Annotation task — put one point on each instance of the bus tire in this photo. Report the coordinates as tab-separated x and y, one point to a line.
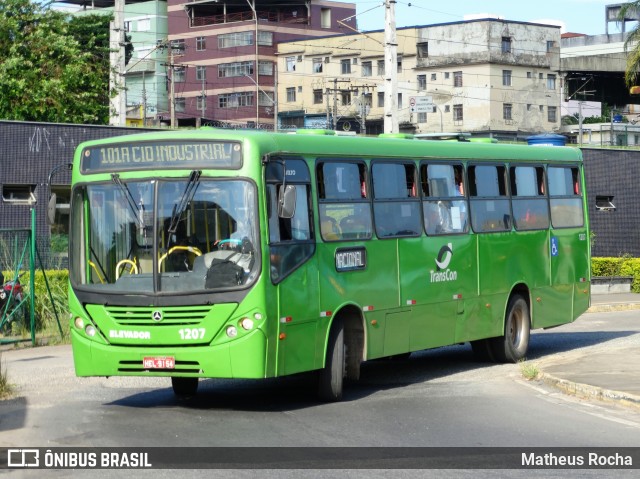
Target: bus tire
331	377
513	345
184	387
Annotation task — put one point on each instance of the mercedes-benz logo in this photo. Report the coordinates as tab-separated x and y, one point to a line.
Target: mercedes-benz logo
156	315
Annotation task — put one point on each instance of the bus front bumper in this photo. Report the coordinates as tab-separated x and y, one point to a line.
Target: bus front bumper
241	358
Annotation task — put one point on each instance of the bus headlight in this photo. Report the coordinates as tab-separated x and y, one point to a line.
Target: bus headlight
232	331
90	330
246	323
258	316
79	323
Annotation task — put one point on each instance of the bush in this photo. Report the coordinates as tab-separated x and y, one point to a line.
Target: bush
622	266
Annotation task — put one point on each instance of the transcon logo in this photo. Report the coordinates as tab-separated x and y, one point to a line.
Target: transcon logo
443	273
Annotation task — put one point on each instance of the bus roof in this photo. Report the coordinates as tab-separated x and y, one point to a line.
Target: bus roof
326	143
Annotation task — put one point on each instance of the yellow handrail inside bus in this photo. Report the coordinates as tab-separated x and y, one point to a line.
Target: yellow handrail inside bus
134	267
93	265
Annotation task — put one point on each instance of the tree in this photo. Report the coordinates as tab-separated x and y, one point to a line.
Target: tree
632	42
53	67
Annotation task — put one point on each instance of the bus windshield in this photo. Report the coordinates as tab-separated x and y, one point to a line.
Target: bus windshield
168	236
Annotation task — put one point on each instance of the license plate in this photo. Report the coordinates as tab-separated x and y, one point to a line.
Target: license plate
154	362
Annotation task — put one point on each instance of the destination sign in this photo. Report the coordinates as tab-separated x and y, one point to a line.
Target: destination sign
350	259
162	154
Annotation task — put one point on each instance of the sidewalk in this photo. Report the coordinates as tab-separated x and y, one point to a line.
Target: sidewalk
612	375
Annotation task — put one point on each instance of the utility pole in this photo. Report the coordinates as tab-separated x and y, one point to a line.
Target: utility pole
390	68
172	91
118	103
144	100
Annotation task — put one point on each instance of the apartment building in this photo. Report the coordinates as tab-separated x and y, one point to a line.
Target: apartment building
490	77
145	23
222	55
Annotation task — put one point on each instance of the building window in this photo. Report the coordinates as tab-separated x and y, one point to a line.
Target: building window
144	25
506	44
552	114
506	77
291	94
506	111
201	103
528	106
177	47
317	97
265	39
239	39
457	112
201	73
457	79
447	108
265	68
434	76
265	99
551	82
550	45
381	67
380	99
423	50
345	97
290	64
236	69
235	100
367	100
541	108
19	194
367	69
399	60
399	100
422	82
317	65
446	75
541	76
179	74
325	18
422	117
180	104
529	75
345	66
201	44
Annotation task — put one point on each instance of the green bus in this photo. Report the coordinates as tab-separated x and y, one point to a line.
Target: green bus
217	253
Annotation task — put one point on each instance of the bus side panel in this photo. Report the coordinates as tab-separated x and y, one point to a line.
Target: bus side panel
569	273
376	286
438	291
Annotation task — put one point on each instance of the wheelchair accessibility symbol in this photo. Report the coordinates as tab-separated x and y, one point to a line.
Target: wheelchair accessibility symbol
554	246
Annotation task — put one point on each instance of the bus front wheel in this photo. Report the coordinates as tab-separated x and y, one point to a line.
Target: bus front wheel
184	387
331	377
512	347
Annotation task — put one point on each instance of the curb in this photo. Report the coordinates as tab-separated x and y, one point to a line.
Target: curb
605	308
587	391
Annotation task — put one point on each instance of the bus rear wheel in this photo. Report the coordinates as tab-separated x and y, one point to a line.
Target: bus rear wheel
512	347
331	377
184	387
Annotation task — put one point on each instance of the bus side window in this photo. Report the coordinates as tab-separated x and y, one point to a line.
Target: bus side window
490	209
564	196
343	199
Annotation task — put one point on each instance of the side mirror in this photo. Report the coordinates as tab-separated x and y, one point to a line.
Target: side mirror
51	209
287	201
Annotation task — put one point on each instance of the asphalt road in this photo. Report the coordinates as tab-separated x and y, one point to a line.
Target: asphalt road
435	398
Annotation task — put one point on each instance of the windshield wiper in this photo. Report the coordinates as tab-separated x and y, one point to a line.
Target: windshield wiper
137	214
187	195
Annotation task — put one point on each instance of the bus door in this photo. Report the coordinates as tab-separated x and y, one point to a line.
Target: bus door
568	243
293	268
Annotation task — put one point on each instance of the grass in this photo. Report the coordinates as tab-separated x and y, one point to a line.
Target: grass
6	389
529	370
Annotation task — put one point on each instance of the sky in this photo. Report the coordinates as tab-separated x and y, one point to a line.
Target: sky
576	16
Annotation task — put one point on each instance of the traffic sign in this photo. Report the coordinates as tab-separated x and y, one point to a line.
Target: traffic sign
420	104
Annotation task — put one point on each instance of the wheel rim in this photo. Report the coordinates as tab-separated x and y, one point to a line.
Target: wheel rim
516	327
